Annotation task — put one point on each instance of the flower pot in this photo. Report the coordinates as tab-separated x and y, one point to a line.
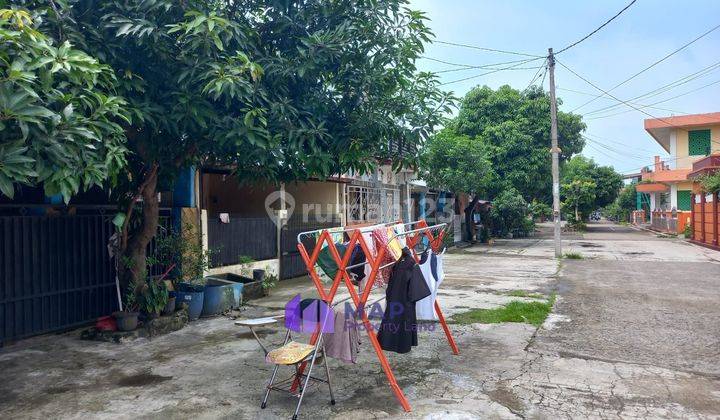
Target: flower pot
192	295
170	305
126	321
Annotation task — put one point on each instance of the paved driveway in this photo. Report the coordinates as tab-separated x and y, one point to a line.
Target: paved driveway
634	334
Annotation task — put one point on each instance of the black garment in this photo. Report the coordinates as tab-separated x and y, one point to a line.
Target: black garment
358	257
398	330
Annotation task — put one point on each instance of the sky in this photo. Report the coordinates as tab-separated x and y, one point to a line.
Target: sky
643	34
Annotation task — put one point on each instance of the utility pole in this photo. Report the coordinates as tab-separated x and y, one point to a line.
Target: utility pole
555	158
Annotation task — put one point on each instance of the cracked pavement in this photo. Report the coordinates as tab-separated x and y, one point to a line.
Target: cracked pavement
633	334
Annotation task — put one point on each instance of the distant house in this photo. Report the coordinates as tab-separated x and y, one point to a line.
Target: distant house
668	187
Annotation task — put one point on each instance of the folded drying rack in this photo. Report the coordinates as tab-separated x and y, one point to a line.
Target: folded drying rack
414	234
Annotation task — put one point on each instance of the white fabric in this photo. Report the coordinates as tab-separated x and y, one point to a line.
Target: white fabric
440	270
399	229
367	237
425	308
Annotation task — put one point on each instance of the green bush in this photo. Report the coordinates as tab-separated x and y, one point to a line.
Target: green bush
154	297
509	213
710	183
539	210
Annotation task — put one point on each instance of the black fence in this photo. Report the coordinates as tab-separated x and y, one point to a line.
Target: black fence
55	273
252	237
291	263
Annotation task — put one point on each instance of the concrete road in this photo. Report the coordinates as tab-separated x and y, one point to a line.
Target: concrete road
634	333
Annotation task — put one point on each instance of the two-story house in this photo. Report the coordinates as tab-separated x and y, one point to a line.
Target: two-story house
668	186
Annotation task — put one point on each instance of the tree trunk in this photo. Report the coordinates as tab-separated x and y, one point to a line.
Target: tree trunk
469	222
135	251
577	214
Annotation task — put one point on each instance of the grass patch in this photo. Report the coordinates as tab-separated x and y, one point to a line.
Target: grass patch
523	293
573	256
516	311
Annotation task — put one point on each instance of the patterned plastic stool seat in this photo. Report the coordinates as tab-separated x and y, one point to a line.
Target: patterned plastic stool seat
290	354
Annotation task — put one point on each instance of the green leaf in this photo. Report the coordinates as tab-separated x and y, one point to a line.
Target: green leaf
119	220
6	186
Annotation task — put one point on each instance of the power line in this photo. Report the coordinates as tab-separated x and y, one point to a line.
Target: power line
614	97
623	143
620	100
662	89
658	102
490	72
650	66
474	47
618	105
489	67
536	76
598	28
612	149
470	66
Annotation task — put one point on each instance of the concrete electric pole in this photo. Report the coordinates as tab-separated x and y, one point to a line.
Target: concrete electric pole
555	158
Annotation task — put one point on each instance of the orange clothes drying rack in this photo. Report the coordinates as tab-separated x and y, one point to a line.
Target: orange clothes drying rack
413	237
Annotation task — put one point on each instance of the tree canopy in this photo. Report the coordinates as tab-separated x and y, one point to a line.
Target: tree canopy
623	206
512	130
275	89
458	163
586	186
60	115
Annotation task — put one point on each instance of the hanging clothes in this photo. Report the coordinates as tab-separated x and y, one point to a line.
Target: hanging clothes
400	230
380	240
358	257
343	342
393	244
326	266
425	308
398	329
436	263
370	242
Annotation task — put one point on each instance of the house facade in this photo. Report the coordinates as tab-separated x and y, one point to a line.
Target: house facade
667	188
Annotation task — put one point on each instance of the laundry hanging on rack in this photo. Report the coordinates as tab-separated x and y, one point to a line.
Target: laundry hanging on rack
393	243
381	240
424	308
399	230
343	342
357	260
431	265
398	329
326	263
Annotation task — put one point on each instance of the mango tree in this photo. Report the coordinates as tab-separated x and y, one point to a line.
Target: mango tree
276	89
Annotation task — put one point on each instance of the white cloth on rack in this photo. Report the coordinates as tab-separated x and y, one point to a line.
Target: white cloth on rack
400	230
425	308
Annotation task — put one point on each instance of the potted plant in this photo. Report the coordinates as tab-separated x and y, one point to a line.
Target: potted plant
185	250
127	319
153	298
268	282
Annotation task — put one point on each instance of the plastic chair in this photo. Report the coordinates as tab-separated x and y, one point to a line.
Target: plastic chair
310	315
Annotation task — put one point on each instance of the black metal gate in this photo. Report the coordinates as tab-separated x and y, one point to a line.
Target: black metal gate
55	273
252	237
291	263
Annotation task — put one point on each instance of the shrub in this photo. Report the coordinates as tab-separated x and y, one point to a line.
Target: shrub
509	212
710	183
539	210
